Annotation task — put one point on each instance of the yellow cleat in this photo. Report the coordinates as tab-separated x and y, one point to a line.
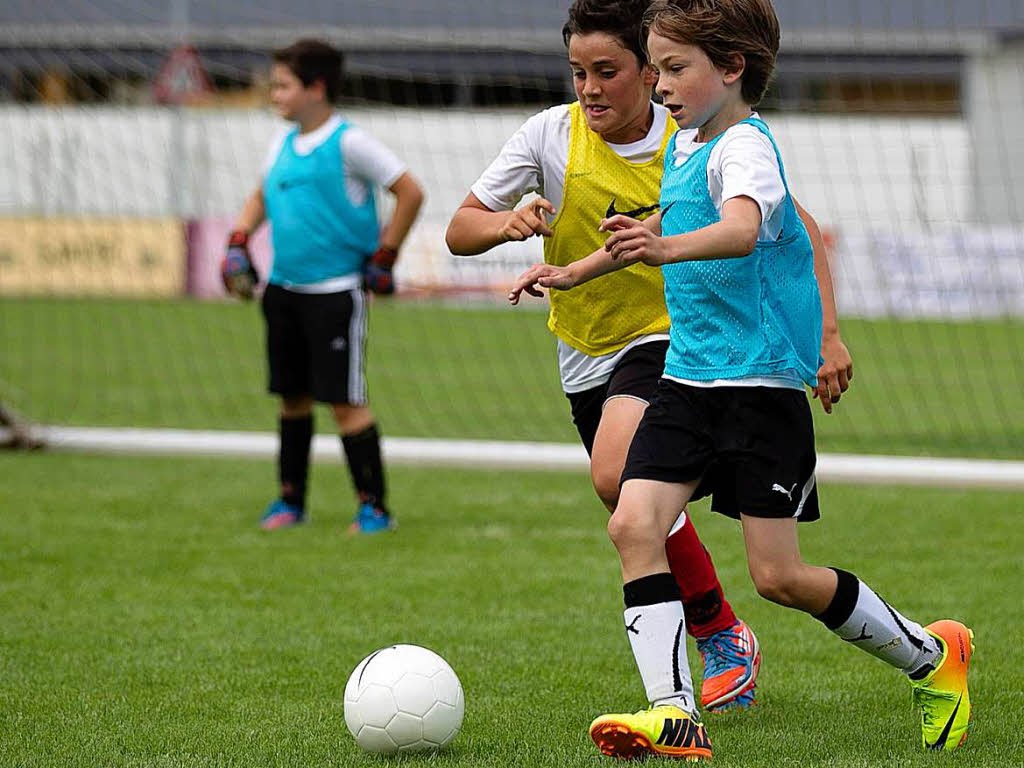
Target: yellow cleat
942	696
662	731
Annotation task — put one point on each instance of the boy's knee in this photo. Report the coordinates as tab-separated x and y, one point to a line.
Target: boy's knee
775	583
606	484
351	418
628	527
296	407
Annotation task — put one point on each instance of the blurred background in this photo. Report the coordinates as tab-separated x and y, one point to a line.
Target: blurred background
133	131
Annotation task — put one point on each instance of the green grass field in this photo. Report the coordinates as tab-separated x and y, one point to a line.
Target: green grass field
145	621
439	370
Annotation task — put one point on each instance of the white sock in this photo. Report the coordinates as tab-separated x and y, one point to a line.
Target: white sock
878	628
657	635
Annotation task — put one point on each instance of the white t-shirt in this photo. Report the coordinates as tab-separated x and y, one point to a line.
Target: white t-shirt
367	162
744	163
534	160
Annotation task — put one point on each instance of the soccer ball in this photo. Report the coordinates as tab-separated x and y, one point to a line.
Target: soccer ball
403	698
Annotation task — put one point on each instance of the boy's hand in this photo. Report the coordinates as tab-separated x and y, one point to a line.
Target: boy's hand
544	275
631	242
835	373
377	274
527	221
237	270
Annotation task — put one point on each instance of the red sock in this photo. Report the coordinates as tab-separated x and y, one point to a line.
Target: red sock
706	609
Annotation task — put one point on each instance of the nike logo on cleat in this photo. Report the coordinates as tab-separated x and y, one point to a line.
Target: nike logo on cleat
683	732
940	742
631	214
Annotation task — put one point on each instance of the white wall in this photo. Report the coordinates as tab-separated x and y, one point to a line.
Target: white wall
895	191
995	100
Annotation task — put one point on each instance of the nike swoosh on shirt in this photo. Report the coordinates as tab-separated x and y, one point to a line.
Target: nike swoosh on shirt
941	741
631	214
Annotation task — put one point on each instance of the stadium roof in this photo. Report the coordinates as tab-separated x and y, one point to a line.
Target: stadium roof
527	25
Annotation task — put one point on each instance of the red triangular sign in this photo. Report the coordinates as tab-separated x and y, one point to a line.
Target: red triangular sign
181	77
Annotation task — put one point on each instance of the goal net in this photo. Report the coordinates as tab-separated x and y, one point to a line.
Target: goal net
133	132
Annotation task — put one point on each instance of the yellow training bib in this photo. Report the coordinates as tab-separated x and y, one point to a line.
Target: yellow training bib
605	314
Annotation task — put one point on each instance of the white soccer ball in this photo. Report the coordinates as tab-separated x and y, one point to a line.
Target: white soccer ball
403	698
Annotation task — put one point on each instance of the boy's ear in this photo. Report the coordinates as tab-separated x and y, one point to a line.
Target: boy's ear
320	87
650	75
733	71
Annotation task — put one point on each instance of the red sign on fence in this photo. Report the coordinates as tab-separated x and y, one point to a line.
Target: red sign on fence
182	77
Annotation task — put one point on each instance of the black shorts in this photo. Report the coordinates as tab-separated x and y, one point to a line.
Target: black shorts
752	448
316	344
635	375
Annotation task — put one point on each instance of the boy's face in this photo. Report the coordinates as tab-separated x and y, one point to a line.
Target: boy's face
690	86
289	96
613	88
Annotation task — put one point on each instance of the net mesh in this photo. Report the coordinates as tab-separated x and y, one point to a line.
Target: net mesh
898	122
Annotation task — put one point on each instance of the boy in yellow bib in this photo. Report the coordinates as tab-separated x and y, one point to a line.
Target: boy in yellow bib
601	156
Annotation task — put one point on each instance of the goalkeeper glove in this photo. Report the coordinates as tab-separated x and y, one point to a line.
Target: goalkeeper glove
237	271
377	275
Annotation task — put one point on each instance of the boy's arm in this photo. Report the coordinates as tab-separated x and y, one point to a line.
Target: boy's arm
408	200
253	213
734	236
475	228
487	217
377	272
837	370
598	263
236	270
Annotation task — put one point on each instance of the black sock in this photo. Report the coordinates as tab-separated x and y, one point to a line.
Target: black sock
293	460
843	601
362	449
650	590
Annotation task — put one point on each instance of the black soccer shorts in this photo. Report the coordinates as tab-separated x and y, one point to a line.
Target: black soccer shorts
316	344
751	447
635	375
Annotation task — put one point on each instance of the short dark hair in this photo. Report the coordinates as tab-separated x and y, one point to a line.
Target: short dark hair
723	28
621	19
311	60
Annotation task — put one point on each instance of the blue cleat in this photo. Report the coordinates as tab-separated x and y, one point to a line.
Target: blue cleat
732	659
281	514
744	701
371	519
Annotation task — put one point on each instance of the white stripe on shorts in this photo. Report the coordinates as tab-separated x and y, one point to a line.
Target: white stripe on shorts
808	487
356	349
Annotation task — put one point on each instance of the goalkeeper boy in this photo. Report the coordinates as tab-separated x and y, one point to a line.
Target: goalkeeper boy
318	193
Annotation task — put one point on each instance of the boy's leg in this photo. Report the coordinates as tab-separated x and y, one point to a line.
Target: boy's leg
654	624
360	441
934	658
336	325
288	366
728	648
295	429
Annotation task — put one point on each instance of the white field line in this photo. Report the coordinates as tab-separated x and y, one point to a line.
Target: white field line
846	468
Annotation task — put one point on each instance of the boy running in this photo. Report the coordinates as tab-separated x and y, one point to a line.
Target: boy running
589	160
729	416
318	194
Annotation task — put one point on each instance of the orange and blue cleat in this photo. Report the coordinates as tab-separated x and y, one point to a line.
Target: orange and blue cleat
661	731
281	514
732	659
942	695
371	519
